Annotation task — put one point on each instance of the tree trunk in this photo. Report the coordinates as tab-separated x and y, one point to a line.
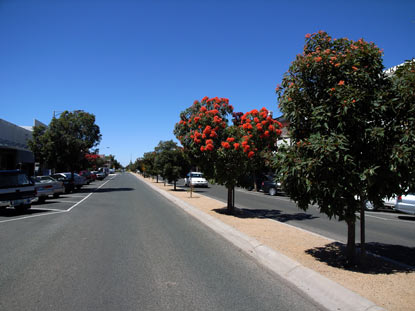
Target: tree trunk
174	185
362	233
231	205
351	245
157	178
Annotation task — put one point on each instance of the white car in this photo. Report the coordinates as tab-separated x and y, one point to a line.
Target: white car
406	204
195	179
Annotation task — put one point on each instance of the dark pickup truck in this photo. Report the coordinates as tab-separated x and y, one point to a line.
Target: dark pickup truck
16	190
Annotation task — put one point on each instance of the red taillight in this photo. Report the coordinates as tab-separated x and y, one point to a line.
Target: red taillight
400	198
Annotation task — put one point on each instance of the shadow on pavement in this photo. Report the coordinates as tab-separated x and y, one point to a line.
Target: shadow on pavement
103	190
333	254
264	213
410	218
11	212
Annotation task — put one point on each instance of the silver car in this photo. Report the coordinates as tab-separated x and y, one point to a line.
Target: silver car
57	186
406	204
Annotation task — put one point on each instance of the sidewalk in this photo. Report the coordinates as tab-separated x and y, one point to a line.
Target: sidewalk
305	259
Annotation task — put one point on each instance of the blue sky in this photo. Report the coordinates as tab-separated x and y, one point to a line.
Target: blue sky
137	64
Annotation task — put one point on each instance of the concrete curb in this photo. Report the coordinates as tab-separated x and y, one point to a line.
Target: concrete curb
322	290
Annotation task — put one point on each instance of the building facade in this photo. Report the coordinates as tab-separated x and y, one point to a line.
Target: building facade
14	151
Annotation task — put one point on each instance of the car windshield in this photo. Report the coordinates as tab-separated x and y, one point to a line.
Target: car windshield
200	175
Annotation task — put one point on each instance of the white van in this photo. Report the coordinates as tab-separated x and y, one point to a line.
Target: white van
195	179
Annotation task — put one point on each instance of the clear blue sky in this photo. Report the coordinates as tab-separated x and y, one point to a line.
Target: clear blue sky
137	64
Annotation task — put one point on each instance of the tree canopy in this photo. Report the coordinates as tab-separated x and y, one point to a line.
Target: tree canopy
64	143
332	97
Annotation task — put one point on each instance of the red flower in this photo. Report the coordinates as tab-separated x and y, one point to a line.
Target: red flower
308	36
271	128
254	112
256	120
202	148
209	147
337	65
230	139
278	132
318	59
354	68
213	134
251	154
203	109
209	142
259	126
225	145
236	146
341	82
196	119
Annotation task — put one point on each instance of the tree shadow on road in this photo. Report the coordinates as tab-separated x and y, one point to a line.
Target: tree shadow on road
10	212
103	190
398	258
265	213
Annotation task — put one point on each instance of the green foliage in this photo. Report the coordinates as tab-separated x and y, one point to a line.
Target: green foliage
401	129
171	161
330	95
65	142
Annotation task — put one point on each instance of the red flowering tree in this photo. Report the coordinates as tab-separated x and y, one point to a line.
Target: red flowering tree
331	97
225	152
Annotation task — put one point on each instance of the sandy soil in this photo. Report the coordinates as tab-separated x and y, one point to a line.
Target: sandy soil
389	286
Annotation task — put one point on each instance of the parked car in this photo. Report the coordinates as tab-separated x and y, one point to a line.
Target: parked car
406	204
16	190
57	186
387	203
195	179
43	189
79	181
100	175
68	183
87	175
269	185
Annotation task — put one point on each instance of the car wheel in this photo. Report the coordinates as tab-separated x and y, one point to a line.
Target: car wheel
370	206
78	187
41	199
23	207
272	191
56	195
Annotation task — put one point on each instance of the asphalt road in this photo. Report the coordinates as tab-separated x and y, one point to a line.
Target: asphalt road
124	247
387	233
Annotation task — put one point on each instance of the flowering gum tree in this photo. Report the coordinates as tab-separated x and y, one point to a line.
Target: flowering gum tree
331	97
225	152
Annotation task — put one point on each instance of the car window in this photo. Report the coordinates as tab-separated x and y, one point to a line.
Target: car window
197	175
14	180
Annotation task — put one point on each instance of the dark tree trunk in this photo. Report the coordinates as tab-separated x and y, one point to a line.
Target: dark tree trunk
362	233
174	185
157	178
351	244
231	203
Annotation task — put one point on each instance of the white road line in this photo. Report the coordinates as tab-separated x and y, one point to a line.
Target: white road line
55	211
73	206
31	216
73	202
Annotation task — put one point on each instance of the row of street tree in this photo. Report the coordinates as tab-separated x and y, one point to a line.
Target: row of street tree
352	132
